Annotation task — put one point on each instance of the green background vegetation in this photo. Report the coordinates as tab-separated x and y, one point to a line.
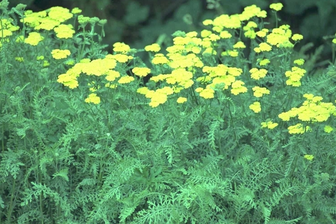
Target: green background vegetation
208	161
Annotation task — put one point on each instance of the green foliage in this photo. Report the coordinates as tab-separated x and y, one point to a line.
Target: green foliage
207	161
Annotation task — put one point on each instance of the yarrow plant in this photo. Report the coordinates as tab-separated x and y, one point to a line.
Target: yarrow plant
225	125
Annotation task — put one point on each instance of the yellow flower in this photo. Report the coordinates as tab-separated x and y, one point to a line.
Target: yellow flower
276	6
258	73
143	90
297	37
64	31
181	100
60	54
121	47
125	79
262	33
112	75
157	98
93	98
260	91
255	107
299	61
207	22
33	38
225	34
207	93
264	62
19	59
59	13
269	125
5	33
265	47
328	129
285	116
237	87
121	58
76	10
153	47
159	59
141	71
309	157
239	45
297	129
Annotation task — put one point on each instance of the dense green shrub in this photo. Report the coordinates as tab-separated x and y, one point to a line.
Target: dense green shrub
223	126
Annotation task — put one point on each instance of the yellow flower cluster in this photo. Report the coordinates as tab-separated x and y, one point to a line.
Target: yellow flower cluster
51	19
64	31
258	73
276	6
153	48
294	76
260	91
93	98
269	125
141	71
312	110
7	28
158	96
96	67
60	54
309	157
33	38
256	107
280	37
298	129
221	75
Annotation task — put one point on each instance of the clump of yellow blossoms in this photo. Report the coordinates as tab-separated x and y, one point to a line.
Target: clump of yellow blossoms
191	64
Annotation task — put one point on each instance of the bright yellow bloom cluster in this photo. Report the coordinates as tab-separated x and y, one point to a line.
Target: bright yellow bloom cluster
93	98
276	6
312	110
263	47
7	28
298	129
309	157
239	45
157	97
249	31
160	59
206	93
252	11
60	54
258	73
297	37
97	67
59	13
264	62
222	75
47	19
280	37
238	87
181	100
260	91
33	38
269	125
256	107
64	31
153	48
299	61
328	129
294	76
121	47
141	71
